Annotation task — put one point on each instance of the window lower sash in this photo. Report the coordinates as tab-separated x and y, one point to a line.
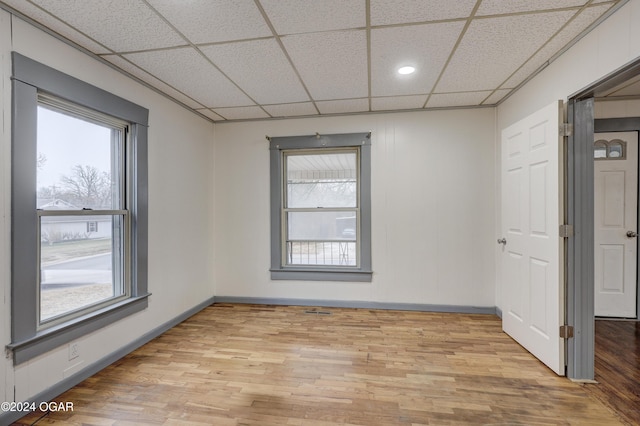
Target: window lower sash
80	271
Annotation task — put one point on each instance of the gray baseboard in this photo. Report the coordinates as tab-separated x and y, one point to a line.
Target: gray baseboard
461	309
66	384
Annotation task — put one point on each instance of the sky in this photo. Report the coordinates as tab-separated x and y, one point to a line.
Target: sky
67	141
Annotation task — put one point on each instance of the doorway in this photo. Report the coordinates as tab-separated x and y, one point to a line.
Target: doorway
615	224
580	202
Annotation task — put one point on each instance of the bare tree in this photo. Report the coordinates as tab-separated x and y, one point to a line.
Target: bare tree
87	187
41	161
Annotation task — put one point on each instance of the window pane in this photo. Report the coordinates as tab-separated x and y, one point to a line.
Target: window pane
321	225
77	165
600	149
321	238
328	253
322	180
615	149
79	268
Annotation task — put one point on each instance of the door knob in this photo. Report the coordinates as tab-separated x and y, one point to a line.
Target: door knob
504	241
631	234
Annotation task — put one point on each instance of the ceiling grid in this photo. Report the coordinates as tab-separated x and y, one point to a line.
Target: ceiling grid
233	60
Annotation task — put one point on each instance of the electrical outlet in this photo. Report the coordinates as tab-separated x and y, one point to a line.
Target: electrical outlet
74	351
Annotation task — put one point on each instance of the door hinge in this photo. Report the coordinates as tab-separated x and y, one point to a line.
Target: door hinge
566	331
566	129
566	231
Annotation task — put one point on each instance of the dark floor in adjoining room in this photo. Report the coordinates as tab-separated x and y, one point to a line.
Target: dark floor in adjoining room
617	368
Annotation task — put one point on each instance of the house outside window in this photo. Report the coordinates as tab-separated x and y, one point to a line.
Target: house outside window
320	207
79	208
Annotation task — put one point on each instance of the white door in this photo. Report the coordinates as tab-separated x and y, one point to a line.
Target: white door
615	218
532	266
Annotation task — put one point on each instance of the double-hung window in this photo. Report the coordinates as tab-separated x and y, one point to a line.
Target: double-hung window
80	181
320	198
79	208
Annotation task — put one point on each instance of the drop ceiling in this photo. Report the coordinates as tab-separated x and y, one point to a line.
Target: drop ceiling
259	59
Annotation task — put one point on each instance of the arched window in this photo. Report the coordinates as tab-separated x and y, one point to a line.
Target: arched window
600	149
615	149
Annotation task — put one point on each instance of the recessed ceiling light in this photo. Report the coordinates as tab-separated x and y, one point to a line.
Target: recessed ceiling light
406	70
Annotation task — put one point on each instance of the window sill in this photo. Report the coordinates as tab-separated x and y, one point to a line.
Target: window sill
307	274
54	337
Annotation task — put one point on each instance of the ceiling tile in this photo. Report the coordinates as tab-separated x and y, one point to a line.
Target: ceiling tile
128	26
207	21
260	68
291	110
496	97
566	35
57	26
212	115
425	47
343	106
241	113
388	12
439	100
398	102
306	16
332	65
186	70
221	58
493	48
130	68
499	7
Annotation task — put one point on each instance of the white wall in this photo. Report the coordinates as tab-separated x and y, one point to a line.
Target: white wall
432	208
180	210
612	44
617	109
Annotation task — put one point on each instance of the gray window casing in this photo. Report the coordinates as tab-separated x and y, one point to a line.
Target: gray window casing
362	273
30	78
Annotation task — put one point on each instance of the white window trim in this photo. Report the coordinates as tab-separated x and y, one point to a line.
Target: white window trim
30	80
279	270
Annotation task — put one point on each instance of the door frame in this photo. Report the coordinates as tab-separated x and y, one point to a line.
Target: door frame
579	205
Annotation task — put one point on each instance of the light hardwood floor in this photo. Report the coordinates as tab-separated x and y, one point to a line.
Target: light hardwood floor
276	365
